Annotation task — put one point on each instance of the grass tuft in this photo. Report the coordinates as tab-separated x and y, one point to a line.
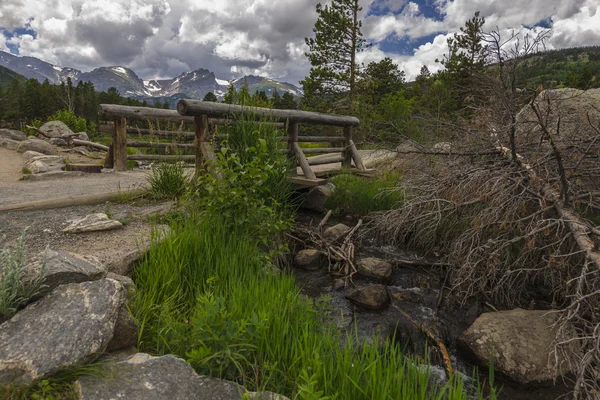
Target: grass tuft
359	196
15	289
167	181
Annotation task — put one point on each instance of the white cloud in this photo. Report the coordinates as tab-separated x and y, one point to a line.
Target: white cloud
163	38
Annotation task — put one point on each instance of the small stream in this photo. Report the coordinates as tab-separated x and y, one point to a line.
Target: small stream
414	292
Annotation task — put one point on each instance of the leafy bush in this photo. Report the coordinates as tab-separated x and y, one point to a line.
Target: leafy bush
75	123
15	290
359	196
167	181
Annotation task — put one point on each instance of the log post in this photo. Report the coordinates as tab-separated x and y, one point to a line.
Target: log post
347	154
292	137
120	144
109	161
200	125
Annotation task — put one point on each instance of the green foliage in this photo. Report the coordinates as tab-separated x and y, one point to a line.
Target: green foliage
332	55
75	123
359	196
204	294
210	96
15	289
167	181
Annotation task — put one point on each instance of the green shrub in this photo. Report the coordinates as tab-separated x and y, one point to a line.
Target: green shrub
357	195
14	289
167	181
75	123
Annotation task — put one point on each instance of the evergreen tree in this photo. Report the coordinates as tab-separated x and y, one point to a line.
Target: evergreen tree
166	105
210	96
231	95
288	102
466	58
332	55
382	78
276	99
12	111
243	95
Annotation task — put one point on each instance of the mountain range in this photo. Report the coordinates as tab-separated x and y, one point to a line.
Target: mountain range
194	84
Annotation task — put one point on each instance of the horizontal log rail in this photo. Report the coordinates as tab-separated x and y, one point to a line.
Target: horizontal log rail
205	116
158	157
156	145
191	108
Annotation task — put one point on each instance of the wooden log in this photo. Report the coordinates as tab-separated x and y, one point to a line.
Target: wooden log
120	144
347	161
317	139
88	168
331	160
109	161
200	125
87	199
152	132
323	150
158	157
292	138
305	182
190	107
356	157
308	173
143	113
155	145
89	144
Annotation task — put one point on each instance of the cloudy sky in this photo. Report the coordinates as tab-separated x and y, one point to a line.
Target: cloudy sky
163	38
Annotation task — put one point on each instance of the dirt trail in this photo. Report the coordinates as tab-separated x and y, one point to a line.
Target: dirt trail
11	164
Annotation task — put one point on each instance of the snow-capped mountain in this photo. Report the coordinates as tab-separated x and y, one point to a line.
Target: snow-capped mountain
195	84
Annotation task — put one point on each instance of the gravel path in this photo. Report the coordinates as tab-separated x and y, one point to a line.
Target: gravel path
25	191
11	164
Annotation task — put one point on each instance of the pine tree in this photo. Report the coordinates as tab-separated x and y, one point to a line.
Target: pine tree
276	99
332	55
382	78
210	96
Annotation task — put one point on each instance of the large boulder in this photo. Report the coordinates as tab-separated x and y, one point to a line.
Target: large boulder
374	297
82	136
93	223
374	268
12	135
316	198
520	342
69	327
126	331
55	129
309	259
28	155
38	145
9	143
59	268
143	377
43	163
334	233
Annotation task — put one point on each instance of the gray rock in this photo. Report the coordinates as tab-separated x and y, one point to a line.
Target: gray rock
38	145
333	233
316	197
373	297
82	136
93	223
59	268
521	342
58	142
55	129
374	268
28	155
126	281
67	328
143	377
126	331
309	259
12	135
9	144
43	163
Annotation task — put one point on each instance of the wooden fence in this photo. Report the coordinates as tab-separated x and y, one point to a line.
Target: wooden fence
204	116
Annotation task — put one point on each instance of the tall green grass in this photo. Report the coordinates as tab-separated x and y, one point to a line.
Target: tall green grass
204	294
358	195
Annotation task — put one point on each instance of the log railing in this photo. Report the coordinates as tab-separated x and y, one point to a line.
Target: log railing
206	114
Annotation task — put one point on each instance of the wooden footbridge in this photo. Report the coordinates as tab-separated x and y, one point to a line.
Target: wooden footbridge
206	116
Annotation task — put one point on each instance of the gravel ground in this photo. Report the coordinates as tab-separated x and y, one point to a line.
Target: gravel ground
44	228
25	191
